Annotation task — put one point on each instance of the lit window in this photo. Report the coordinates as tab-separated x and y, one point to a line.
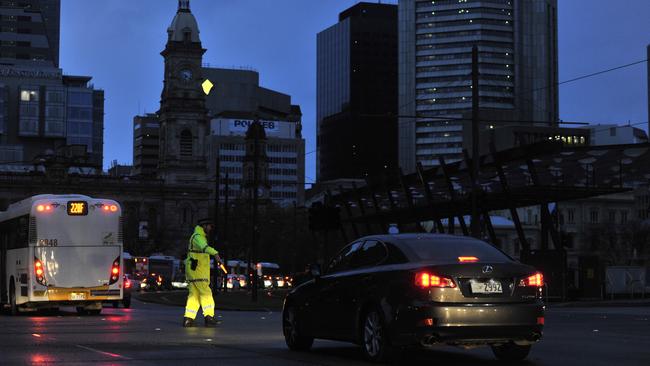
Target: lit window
29	96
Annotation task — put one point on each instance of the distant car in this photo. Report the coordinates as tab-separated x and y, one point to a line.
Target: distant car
390	291
152	282
283	282
235	281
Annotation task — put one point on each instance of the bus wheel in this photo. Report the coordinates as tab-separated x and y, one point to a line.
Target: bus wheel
12	299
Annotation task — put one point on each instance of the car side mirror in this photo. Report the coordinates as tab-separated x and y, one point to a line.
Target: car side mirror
314	270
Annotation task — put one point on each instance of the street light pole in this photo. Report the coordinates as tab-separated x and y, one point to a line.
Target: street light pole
256	155
475	225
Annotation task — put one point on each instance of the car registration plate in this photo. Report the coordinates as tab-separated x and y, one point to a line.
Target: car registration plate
75	296
489	287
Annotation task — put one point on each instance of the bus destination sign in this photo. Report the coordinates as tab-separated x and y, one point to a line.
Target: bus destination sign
77	208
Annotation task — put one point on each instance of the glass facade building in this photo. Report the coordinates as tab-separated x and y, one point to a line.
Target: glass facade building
357	94
517	42
42	111
30	31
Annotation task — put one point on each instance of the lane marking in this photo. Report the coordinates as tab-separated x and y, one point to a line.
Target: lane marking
113	355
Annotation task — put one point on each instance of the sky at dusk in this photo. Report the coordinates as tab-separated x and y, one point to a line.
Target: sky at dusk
118	43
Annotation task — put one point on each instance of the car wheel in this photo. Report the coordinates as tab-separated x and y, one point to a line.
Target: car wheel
295	339
13	307
374	340
126	303
94	311
511	352
116	304
81	310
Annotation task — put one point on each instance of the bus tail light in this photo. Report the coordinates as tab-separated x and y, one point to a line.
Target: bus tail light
44	208
109	208
115	271
428	280
39	272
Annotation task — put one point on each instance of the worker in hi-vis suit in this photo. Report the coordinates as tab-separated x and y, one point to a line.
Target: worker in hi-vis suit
197	273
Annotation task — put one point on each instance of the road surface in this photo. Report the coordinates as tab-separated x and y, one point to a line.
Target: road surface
150	334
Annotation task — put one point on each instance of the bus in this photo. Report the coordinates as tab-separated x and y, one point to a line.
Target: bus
61	250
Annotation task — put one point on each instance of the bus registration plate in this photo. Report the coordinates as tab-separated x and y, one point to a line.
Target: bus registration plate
75	296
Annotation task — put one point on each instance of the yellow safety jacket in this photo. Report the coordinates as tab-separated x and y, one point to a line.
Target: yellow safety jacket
198	250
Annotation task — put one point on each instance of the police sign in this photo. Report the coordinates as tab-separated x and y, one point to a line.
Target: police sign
241	125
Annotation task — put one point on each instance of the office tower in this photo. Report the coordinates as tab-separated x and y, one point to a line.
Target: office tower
517	43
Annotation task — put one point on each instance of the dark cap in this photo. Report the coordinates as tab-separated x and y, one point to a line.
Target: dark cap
206	221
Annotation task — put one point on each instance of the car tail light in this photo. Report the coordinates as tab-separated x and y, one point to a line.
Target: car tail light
467	259
127	283
39	272
428	280
115	271
536	280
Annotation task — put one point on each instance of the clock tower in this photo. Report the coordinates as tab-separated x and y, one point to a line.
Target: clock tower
184	123
256	165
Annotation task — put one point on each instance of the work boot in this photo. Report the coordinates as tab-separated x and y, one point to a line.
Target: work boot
188	322
210	322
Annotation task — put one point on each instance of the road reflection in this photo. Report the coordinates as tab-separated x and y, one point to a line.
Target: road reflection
443	355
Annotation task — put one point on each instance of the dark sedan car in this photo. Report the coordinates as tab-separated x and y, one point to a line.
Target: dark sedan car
392	291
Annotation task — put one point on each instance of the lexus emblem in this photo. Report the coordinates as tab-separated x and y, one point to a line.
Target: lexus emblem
488	269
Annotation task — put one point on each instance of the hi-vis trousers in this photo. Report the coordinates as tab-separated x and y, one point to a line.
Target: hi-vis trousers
200	296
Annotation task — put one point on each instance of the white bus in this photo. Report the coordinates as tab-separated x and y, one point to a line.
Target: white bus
60	250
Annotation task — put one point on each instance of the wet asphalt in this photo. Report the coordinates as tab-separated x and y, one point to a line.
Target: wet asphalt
149	334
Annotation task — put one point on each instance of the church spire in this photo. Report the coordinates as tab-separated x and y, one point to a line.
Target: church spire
183	5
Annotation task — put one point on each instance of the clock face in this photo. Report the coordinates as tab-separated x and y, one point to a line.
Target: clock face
186	75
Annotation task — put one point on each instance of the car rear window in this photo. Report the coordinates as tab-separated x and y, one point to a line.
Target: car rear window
450	249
